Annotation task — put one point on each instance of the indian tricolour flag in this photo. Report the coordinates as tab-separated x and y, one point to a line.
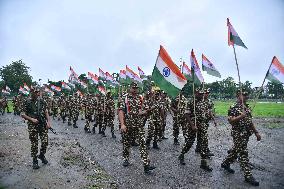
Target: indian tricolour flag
132	75
197	75
209	67
186	71
93	77
26	87
23	91
122	74
233	37
276	71
167	75
102	90
65	86
102	75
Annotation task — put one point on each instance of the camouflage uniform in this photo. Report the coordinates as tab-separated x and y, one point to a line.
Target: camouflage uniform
166	103
69	108
240	132
154	126
208	108
75	110
100	113
54	105
62	108
89	111
201	115
4	102
179	104
36	109
109	115
131	105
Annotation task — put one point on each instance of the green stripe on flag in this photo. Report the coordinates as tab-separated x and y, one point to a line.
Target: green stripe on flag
164	85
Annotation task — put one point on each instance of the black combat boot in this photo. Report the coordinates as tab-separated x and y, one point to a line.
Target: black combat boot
148	168
205	166
103	134
148	143
125	163
181	159
94	129
251	180
176	142
155	145
42	158
35	163
227	168
113	135
197	150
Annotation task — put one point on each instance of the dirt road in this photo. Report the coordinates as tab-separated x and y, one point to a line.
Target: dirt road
79	160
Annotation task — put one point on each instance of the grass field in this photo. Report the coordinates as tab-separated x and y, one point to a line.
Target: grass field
270	109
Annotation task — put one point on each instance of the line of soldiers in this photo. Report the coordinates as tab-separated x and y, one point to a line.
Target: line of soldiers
136	111
99	110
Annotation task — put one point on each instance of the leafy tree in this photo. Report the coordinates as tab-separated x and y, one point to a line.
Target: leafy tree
15	74
275	90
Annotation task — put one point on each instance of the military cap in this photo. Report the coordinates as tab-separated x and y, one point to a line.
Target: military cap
199	90
244	92
134	85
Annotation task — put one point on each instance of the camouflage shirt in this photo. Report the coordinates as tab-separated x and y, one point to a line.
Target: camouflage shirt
35	109
243	124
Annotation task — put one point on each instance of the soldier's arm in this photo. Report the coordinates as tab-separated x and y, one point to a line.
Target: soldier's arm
188	118
121	120
48	124
235	115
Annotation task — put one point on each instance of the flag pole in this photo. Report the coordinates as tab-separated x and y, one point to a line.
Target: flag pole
194	111
260	89
240	84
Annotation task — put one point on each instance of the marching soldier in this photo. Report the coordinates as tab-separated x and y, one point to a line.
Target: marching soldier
166	105
54	105
178	106
210	107
36	113
198	112
89	111
155	120
75	110
242	128
109	115
130	116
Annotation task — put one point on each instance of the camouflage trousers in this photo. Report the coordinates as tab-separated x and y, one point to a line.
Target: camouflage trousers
163	126
190	136
88	119
108	122
54	112
75	115
100	121
63	114
127	138
198	139
179	122
34	132
239	150
154	129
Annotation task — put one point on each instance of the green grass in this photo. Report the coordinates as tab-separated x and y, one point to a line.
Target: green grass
270	109
10	105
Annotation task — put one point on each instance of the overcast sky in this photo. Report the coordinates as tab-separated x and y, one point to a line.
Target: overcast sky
51	35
